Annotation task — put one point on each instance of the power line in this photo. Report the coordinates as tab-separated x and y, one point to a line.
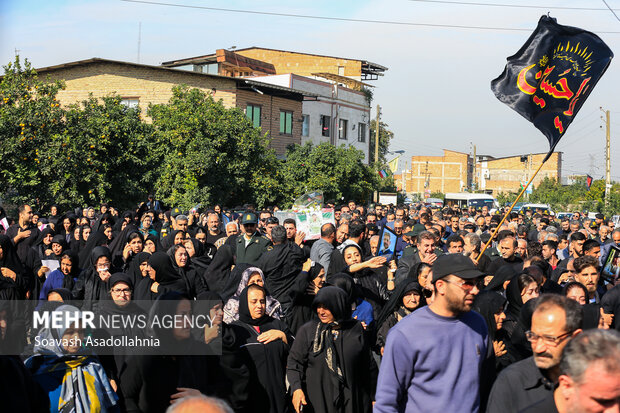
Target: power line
611	10
307	16
520	6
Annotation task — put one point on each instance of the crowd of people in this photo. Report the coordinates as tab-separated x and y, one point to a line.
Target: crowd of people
326	325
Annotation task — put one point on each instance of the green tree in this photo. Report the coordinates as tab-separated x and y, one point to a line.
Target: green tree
29	116
385	137
102	154
337	171
209	153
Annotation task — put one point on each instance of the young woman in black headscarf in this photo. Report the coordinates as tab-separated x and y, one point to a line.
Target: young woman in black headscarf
520	290
407	297
302	295
371	286
122	255
64	276
330	367
151	244
490	305
262	345
181	263
92	286
163	278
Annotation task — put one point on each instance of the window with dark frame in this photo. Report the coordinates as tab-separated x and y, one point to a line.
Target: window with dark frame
361	132
343	124
326	125
253	112
286	122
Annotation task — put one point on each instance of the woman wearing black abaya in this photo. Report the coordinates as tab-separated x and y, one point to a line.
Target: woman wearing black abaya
217	275
330	367
58	246
43	245
11	269
302	295
139	269
181	263
119	304
407	297
262	344
150	383
92	286
371	286
520	290
164	278
490	305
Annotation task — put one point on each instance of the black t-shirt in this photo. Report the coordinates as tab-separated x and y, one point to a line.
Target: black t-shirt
212	238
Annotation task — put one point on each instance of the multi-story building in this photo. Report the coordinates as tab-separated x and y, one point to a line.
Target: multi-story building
340	113
277	110
455	172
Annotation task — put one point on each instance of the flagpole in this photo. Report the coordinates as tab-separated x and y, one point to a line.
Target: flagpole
510	210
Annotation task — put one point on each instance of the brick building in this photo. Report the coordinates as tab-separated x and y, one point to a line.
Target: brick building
260	61
275	109
507	174
454	172
447	173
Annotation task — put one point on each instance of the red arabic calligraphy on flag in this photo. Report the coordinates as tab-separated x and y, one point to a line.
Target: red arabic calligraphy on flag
550	77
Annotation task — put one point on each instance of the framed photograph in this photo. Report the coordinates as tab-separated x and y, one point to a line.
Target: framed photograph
611	265
387	243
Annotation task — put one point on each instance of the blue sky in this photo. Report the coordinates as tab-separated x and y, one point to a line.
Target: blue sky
435	94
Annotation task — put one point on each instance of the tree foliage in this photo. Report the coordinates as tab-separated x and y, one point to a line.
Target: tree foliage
29	116
337	171
195	151
208	153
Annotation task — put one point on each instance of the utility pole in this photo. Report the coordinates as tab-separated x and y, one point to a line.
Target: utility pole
376	195
607	159
473	181
377	137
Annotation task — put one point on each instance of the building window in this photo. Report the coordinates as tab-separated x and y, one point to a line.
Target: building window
253	114
286	122
131	103
342	128
305	126
325	125
361	132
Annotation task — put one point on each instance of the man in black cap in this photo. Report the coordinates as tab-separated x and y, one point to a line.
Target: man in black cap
251	244
438	371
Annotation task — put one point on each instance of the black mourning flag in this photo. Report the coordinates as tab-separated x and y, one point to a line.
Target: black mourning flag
550	77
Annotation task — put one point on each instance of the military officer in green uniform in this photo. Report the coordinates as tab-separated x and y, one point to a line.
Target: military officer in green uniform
251	244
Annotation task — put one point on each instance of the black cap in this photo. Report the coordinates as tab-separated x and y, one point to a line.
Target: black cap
599	216
455	264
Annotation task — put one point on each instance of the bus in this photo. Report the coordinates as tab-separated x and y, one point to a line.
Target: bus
464	200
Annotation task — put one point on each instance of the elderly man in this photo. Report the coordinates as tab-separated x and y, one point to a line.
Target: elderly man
213	228
589	376
555	320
